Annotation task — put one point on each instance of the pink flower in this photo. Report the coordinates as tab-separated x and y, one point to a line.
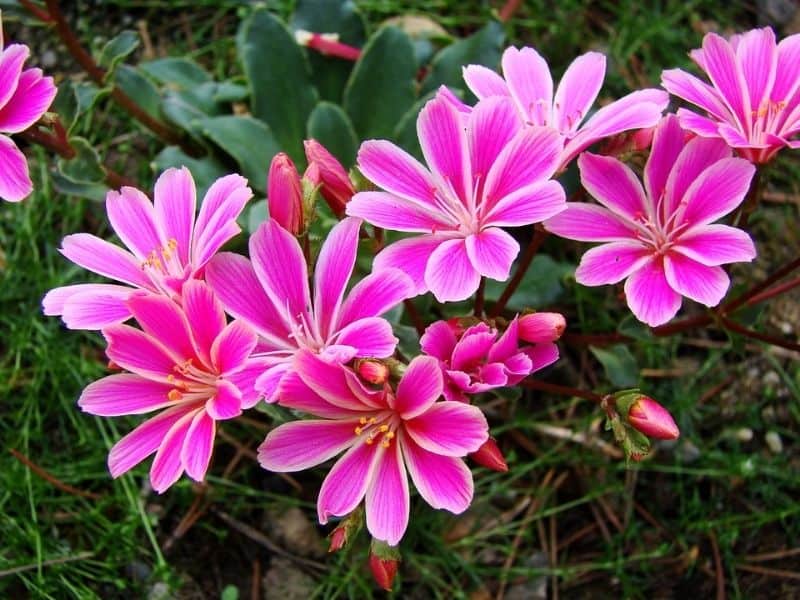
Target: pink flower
527	81
324	170
272	295
483	176
25	95
650	418
167	247
384	433
285	194
664	240
478	360
753	102
188	364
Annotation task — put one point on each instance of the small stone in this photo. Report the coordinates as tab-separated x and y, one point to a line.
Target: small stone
284	581
48	59
774	442
687	452
159	591
772	379
745	434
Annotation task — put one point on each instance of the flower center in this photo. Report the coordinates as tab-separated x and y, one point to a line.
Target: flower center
376	428
660	231
767	119
192	384
163	267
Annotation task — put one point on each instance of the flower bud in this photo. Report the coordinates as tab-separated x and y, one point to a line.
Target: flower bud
338	539
490	456
650	418
541	327
336	187
383	571
372	371
285	194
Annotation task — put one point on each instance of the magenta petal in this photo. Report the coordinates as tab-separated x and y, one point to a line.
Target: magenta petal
484	82
142	441
136	351
376	294
327	380
234	282
697	156
133	218
396	171
650	297
473	347
163	320
32	98
443	481
387	499
530	204
174	200
346	484
690	88
15	183
613	184
611	263
590	223
578	90
668	141
167	466
720	189
419	387
11	60
245	379
232	347
410	256
450	274
268	382
530	84
300	445
787	74
702	126
204	314
198	446
294	393
216	222
54	301
757	55
449	428
226	403
713	245
541	356
123	394
492	124
491	252
98	305
706	285
720	63
444	145
398	214
370	336
439	340
104	258
281	268
332	272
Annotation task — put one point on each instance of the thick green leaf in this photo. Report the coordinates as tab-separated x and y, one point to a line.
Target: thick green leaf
248	141
256	215
176	72
85	167
330	16
140	88
619	364
186	107
331	127
74	100
93	191
382	87
542	285
484	47
425	33
281	91
117	48
204	170
405	134
230	92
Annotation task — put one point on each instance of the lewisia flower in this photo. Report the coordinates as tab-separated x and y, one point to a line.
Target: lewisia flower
328	173
481	359
753	102
188	364
485	175
663	240
384	433
167	247
527	81
285	194
25	95
272	295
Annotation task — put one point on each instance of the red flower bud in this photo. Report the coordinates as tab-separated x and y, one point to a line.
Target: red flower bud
383	570
541	327
285	194
336	187
373	371
490	456
328	44
338	538
653	420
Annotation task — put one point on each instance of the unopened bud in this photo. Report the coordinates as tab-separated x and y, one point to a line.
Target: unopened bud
335	185
372	371
541	327
338	539
383	570
285	194
650	418
490	456
112	366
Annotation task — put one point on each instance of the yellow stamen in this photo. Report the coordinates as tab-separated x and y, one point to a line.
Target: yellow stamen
174	395
358	430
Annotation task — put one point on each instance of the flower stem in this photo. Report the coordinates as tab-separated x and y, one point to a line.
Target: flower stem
757	335
413	314
751	201
539	236
479	298
562	390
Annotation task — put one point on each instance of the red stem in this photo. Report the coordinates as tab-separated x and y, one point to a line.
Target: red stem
508	10
36	11
562	390
757	335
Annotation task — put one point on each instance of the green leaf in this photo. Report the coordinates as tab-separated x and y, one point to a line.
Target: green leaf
116	49
331	127
186	107
248	141
176	72
256	215
229	592
93	191
618	363
405	134
484	47
382	87
74	100
330	73
140	88
425	33
281	91
204	170
543	284
230	92
85	167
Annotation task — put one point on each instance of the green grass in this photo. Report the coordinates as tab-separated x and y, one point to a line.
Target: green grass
642	532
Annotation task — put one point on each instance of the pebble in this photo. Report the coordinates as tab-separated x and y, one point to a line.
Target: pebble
774	442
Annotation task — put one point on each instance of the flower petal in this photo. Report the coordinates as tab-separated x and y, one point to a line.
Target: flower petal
216	221
611	263
346	484
370	336
703	284
668	141
530	84
491	252
104	258
15	183
442	481
327	380
444	145
757	56
135	351
450	274
294	393
386	210
226	403
167	466
531	204
714	245
720	63
98	305
124	394
492	124
376	294
163	320
787	73
174	201
387	499
300	445
439	340
410	256
697	155
198	446
33	96
649	296
578	90
449	428
332	272
614	185
473	347
719	189
590	223
204	314
245	380
394	170
484	82
541	356
232	347
419	387
11	60
690	88
702	126
133	218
